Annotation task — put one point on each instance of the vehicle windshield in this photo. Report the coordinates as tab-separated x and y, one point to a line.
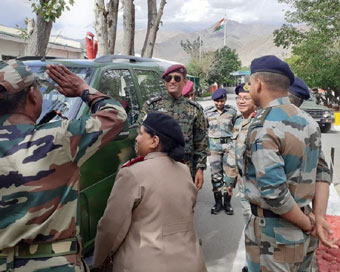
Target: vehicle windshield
67	107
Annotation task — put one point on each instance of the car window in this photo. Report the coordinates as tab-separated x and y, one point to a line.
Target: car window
67	107
150	83
118	84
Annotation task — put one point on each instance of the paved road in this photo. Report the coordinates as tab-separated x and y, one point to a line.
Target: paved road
221	234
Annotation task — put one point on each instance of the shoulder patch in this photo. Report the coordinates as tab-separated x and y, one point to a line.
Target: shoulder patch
133	161
194	103
153	100
260	117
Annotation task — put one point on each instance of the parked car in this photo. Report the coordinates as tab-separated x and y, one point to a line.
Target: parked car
321	114
131	81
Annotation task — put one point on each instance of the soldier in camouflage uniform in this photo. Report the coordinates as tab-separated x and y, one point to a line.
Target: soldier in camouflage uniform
39	168
282	171
234	175
189	115
221	119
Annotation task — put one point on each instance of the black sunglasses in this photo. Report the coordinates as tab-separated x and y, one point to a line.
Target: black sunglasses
177	78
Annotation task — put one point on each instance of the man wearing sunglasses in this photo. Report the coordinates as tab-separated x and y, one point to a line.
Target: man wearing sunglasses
189	115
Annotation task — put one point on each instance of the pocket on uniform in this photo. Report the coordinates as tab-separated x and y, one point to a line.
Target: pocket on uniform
290	245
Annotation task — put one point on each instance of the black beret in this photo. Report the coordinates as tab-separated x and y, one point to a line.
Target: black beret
271	64
242	88
219	94
300	89
165	125
175	68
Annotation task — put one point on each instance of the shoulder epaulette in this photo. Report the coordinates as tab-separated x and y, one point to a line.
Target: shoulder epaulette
194	103
153	99
209	108
133	161
230	107
260	117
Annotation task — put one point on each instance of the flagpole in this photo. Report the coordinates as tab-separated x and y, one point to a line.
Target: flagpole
225	31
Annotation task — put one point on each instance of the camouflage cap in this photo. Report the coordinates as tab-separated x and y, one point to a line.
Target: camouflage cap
15	76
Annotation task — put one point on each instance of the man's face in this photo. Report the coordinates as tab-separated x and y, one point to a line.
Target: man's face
174	83
219	103
253	91
245	103
190	95
39	99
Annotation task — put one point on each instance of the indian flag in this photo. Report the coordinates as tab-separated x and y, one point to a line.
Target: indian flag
219	25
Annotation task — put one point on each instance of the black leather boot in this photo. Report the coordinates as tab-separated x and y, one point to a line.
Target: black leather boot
227	206
218	203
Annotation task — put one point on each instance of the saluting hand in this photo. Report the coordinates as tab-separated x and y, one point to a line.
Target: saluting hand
69	84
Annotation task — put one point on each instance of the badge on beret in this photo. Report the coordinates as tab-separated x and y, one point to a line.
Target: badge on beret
144	118
246	87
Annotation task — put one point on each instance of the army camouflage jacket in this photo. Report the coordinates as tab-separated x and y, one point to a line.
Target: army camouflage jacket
190	117
39	170
235	155
283	158
220	125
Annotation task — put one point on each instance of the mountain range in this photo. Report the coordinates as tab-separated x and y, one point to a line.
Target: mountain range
249	41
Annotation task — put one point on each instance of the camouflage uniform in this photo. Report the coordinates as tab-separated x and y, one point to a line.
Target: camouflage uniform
189	115
220	127
235	161
282	162
39	185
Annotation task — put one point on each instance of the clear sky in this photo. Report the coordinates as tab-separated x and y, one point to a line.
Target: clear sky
178	14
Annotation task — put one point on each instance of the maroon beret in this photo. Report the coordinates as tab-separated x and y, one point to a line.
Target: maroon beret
179	68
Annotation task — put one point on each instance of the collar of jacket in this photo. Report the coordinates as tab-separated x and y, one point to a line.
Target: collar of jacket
153	155
278	101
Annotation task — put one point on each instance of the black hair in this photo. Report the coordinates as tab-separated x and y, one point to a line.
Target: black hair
274	81
168	145
9	103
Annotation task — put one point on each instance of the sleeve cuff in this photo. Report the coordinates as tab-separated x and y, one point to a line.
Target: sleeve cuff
288	204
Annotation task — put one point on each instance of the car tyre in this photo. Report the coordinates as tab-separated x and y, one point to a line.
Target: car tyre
325	128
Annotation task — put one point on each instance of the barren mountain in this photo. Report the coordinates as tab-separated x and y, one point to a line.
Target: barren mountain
249	41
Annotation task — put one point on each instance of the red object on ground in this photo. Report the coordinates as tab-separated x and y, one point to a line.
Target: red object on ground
328	259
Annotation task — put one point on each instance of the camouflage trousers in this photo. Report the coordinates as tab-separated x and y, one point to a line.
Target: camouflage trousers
55	264
58	256
274	244
218	163
245	205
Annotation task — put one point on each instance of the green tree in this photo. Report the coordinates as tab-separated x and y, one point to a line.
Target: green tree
200	67
313	31
192	48
38	32
225	61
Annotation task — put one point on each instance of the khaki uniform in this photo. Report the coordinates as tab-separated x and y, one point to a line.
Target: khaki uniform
148	224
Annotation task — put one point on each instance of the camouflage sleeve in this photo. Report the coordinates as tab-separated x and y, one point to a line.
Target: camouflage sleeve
231	170
200	141
115	223
89	133
322	171
269	170
144	111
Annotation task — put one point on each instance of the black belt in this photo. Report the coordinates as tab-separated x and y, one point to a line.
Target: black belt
225	140
267	213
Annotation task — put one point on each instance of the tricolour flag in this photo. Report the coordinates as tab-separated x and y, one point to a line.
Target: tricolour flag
219	25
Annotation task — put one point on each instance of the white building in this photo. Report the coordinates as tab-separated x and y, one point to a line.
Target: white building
12	46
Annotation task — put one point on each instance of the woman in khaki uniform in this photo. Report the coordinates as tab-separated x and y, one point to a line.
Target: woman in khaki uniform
148	224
